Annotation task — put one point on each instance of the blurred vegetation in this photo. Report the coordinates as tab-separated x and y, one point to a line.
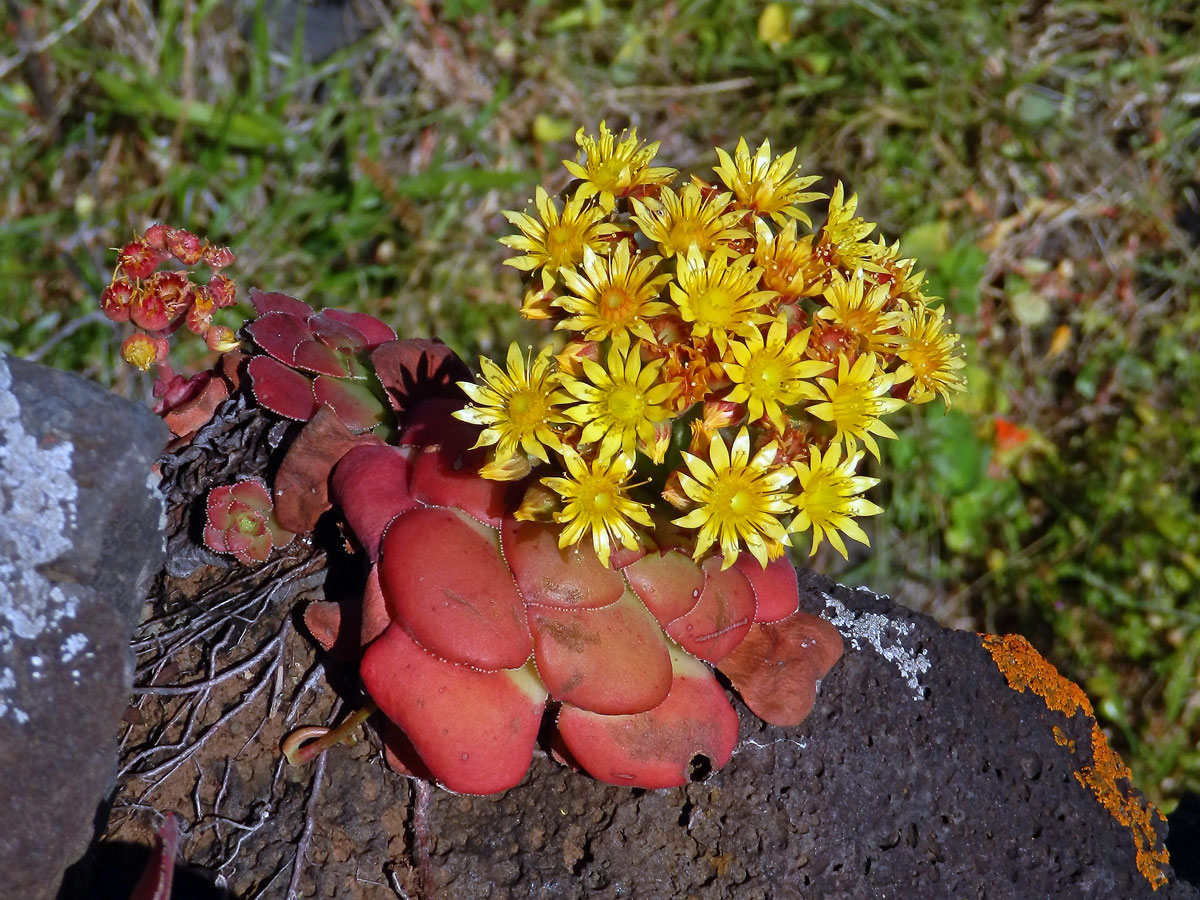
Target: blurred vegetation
1041	159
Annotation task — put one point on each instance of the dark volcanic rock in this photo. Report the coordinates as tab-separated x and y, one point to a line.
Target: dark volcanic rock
920	773
81	537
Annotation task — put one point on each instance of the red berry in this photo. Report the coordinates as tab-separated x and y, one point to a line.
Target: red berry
156	236
115	299
222	290
143	351
217	257
174	289
199	315
221	339
185	246
138	259
148	311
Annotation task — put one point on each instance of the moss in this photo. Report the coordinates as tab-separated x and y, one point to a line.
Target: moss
1107	777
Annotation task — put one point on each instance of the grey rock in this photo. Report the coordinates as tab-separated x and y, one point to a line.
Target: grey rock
81	537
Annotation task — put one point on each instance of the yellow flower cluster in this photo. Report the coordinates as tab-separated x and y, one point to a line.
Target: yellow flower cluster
732	364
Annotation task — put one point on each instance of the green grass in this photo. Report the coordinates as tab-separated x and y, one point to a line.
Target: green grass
1037	159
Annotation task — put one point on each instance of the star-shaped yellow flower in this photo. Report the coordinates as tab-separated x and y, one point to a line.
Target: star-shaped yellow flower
770	374
738	499
718	297
612	168
828	498
764	185
596	503
677	221
556	239
622	404
517	408
860	308
613	297
927	349
857	399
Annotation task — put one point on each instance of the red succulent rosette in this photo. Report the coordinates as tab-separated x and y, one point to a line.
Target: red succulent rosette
241	521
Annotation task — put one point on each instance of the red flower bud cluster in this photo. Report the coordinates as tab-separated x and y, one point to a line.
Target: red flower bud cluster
159	302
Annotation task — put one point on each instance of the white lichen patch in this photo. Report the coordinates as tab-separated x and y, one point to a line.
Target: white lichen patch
154	486
72	646
885	636
38	499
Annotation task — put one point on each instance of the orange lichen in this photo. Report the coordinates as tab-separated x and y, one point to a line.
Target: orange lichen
1107	777
1060	738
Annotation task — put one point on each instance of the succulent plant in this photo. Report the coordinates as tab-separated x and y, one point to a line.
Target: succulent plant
475	623
241	521
311	359
573	544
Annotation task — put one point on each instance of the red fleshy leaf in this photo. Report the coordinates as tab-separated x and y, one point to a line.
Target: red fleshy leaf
720	619
474	730
249	548
252	492
776	590
655	749
353	402
282	390
279	334
344	628
265	302
431	422
371	328
445	581
370	485
418	369
323	619
777	666
668	583
613	660
571	578
301	484
331	331
313	356
621	556
197	410
217	508
443	477
400	754
214	538
375	618
155	883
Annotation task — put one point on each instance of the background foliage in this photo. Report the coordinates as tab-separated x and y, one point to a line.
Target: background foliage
1041	159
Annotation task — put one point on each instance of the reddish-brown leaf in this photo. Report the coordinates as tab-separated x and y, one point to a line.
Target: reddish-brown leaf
777	666
656	749
302	481
444	580
613	660
474	730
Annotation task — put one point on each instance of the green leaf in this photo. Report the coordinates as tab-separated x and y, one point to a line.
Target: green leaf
136	99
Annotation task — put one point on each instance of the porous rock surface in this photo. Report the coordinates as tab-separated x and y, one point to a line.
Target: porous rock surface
81	537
